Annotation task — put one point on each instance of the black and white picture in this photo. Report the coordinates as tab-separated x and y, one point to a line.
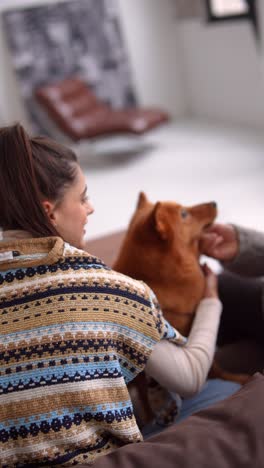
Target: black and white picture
66	39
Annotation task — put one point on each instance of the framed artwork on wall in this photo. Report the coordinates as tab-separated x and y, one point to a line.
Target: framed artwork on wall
77	38
233	10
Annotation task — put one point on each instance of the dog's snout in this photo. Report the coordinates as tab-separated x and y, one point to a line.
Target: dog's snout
214	204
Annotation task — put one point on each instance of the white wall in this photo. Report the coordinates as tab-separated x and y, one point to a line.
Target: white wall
261	28
150	29
224	72
211	71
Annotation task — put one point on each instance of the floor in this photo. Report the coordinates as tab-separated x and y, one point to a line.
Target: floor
190	162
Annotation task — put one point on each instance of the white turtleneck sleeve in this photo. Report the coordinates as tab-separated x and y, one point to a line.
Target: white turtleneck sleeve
183	369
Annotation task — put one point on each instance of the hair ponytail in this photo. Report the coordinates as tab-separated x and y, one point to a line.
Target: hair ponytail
31	170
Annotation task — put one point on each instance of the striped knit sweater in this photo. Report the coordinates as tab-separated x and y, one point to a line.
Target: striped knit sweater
73	334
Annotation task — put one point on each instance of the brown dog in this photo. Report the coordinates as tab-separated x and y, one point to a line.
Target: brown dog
161	247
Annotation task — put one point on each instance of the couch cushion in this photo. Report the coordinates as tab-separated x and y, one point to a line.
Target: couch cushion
106	247
229	434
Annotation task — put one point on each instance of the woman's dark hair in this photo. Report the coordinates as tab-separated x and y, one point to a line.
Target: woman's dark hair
32	170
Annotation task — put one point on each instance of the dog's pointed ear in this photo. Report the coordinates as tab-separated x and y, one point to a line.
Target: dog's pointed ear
162	222
142	200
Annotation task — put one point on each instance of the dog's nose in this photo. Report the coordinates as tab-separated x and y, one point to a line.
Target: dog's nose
214	204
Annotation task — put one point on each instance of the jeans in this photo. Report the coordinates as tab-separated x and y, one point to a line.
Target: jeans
213	391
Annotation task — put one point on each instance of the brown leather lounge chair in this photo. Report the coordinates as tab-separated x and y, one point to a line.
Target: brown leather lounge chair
79	114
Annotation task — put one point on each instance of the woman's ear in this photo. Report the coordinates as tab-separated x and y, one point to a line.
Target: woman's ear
49	210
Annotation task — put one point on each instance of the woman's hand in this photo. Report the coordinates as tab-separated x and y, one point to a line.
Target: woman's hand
211	282
220	241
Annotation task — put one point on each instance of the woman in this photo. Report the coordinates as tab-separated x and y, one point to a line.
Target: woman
73	332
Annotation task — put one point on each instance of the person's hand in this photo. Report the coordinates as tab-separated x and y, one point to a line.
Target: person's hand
220	241
211	282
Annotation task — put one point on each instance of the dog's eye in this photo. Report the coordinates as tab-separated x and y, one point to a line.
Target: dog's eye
184	214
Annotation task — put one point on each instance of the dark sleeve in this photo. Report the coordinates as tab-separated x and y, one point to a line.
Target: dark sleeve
250	260
226	435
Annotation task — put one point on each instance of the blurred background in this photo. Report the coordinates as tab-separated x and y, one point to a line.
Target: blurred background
199	61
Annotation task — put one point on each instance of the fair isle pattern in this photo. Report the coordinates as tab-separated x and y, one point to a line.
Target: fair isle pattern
73	334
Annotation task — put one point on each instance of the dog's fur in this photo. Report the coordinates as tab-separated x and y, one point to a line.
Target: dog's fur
161	247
